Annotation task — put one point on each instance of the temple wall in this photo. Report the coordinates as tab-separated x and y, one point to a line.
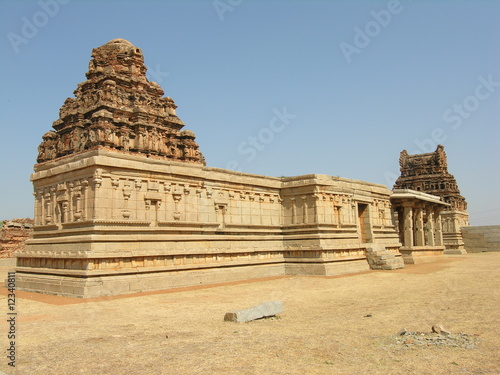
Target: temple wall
103	215
481	238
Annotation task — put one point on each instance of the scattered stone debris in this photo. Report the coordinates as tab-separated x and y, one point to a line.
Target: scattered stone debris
264	310
437	328
438	337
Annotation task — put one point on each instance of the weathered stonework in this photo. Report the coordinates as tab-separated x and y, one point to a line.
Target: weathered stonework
263	310
429	173
419	221
118	108
124	203
104	226
13	236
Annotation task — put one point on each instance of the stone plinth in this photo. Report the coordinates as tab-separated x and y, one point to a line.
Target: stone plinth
422	254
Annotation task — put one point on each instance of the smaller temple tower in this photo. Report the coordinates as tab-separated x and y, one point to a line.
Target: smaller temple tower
429	173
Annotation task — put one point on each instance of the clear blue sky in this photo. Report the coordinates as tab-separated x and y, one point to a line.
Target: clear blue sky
354	82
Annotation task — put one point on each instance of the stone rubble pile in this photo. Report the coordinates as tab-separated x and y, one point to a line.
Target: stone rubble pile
438	337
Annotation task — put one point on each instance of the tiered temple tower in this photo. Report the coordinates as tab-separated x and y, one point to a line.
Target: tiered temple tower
429	173
117	107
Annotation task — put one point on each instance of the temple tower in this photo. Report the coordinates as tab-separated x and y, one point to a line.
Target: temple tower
429	173
118	108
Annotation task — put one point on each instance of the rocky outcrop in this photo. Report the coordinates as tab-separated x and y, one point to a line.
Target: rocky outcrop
13	236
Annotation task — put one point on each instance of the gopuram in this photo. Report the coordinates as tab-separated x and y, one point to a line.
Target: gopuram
124	203
429	173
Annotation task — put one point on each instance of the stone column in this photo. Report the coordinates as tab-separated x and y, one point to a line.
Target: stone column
65	212
85	185
408	225
47	218
419	227
37	207
97	191
304	209
261	210
316	202
339	216
52	205
177	198
294	214
429	226
438	231
42	207
70	209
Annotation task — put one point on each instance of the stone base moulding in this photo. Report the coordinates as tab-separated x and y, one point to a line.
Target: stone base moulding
422	254
101	286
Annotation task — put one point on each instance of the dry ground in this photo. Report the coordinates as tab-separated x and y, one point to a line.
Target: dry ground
324	329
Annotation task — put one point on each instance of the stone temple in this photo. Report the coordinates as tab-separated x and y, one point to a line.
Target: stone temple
429	173
125	203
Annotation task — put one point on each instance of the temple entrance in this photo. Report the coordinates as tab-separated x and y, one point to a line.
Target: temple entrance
365	233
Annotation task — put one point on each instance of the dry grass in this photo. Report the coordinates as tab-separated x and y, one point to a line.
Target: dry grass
324	329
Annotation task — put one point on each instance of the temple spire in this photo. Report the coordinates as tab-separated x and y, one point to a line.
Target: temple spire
117	107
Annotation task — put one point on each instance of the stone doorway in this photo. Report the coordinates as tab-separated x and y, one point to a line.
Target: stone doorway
364	224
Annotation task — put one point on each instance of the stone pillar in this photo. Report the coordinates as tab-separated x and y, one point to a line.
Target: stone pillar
261	210
438	231
419	227
304	209
408	225
294	213
337	212
52	206
316	202
37	207
177	198
42	207
85	186
64	212
47	218
70	209
429	227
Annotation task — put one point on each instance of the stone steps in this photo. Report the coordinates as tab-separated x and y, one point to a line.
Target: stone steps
381	259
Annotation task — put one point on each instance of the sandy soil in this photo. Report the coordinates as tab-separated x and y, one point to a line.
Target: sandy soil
325	328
